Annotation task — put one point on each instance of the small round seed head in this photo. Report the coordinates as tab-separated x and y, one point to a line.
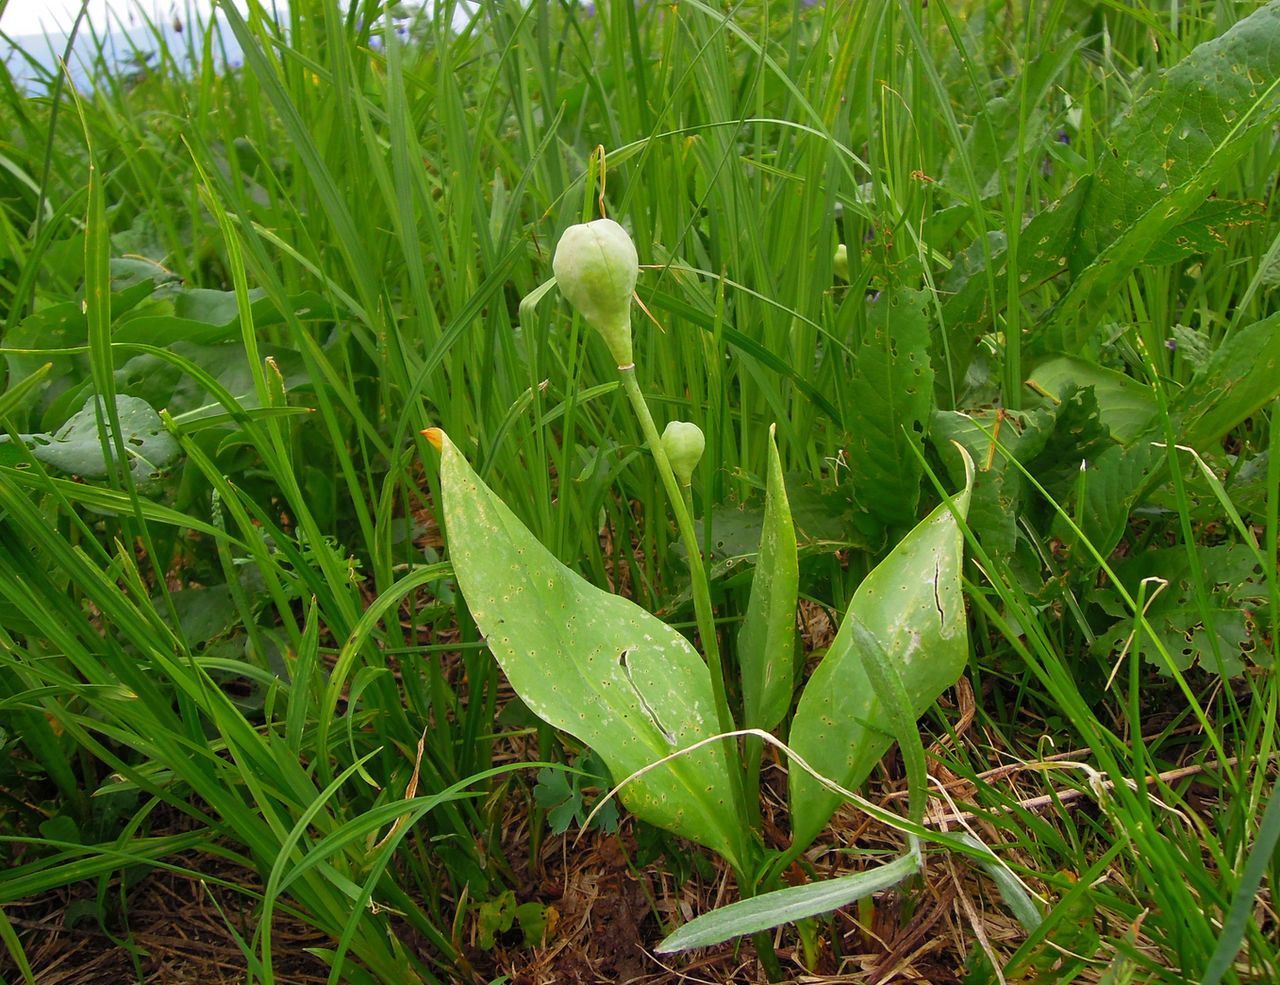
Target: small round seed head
684	444
596	268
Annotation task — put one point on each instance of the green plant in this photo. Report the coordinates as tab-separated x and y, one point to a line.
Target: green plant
602	669
300	261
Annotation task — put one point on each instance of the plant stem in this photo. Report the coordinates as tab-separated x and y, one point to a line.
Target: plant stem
681	498
701	589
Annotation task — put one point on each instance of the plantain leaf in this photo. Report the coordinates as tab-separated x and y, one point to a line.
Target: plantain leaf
592	664
912	605
767	640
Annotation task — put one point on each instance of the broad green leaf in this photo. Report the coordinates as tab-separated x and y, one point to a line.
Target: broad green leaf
76	447
1112	484
1079	437
787	905
911	603
1239	378
891	398
592	664
1125	406
1218	636
767	639
1161	161
1206	230
162	383
1242	375
998	487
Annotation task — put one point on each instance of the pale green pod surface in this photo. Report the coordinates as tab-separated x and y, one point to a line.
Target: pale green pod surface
592	664
596	267
913	605
840	262
684	444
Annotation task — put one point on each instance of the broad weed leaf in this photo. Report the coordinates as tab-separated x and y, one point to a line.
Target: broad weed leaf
77	447
592	664
1241	377
892	400
912	604
1161	161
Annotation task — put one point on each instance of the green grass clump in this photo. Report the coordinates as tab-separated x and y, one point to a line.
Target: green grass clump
257	285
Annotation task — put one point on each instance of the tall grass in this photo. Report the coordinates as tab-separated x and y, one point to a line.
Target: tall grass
375	205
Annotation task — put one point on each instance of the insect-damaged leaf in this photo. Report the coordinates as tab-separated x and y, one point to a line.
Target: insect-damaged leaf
912	604
1146	197
78	446
892	400
592	664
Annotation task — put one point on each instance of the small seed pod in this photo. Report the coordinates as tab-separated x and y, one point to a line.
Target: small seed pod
596	268
841	262
684	443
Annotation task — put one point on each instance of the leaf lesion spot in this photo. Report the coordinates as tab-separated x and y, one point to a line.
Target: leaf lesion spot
625	663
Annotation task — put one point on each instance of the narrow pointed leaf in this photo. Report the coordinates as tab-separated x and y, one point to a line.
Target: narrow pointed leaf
767	640
1014	894
592	664
912	605
787	906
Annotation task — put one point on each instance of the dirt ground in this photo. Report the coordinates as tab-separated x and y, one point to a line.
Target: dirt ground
605	915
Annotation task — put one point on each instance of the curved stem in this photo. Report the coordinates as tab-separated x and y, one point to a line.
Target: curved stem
682	505
698	575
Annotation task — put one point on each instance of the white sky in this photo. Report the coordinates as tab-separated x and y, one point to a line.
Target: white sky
36	16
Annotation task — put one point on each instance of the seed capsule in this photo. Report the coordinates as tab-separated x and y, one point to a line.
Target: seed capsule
596	268
684	444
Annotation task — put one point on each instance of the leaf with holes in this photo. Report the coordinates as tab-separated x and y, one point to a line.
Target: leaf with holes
1158	165
592	664
912	604
891	402
1220	636
77	446
1162	160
